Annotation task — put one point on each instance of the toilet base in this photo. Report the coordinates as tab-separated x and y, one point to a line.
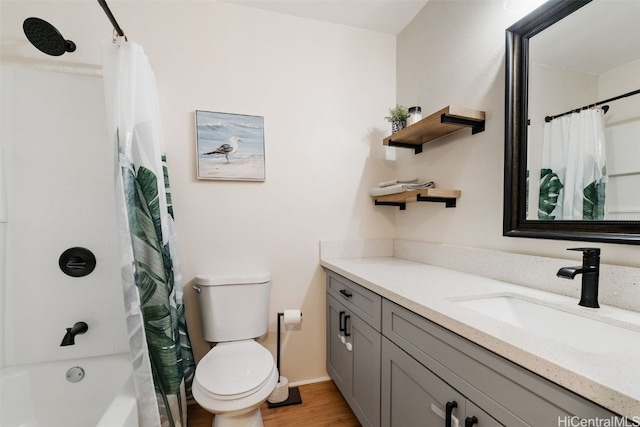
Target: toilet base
248	419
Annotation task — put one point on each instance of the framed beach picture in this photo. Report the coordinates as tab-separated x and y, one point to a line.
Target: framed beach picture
230	146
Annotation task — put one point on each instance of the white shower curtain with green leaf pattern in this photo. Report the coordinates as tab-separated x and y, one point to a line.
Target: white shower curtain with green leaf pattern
573	174
152	284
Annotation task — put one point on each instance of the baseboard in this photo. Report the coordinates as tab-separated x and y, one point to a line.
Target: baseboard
310	381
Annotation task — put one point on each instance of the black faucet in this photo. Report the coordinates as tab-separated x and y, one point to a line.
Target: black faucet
70	337
590	270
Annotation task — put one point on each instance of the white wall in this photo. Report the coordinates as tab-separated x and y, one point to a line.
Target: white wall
60	195
622	132
453	54
323	90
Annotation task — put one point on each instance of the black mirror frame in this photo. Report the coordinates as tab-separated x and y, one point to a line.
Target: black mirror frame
515	223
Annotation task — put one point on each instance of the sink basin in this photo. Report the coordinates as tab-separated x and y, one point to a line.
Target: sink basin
567	328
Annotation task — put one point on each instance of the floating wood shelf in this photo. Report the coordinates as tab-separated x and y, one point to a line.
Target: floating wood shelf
448	120
448	197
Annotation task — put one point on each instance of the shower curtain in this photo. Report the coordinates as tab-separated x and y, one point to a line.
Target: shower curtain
573	173
152	284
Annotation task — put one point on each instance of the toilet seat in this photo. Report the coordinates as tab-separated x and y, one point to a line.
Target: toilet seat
234	370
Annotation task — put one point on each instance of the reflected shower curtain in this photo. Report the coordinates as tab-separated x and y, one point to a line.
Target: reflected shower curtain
152	284
573	173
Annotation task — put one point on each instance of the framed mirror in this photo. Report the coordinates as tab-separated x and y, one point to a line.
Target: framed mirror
567	178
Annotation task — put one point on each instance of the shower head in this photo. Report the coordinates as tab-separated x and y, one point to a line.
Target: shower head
46	37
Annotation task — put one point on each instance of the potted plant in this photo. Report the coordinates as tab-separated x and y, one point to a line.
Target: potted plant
398	116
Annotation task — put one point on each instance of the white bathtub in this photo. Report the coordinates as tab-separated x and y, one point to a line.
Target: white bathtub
39	395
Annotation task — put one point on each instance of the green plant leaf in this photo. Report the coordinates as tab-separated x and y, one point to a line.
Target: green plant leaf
550	187
147	287
155	312
163	357
593	206
167	187
165	327
156	286
399	113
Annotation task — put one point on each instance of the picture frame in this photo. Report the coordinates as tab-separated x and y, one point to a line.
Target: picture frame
229	146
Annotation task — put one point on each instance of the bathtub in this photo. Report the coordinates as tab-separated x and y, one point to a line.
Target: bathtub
40	395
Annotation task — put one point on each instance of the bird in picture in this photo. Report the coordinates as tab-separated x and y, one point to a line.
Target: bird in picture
226	149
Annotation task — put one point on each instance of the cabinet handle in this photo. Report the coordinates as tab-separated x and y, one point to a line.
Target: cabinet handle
346	293
346	328
449	409
439	412
340	321
470	421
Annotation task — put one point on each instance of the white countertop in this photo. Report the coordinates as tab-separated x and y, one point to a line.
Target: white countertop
609	378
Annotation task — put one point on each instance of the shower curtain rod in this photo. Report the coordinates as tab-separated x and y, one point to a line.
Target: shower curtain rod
605	108
116	27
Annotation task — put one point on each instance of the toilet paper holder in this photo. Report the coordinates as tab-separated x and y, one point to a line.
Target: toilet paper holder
294	393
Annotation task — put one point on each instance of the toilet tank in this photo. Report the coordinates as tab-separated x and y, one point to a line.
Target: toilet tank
233	308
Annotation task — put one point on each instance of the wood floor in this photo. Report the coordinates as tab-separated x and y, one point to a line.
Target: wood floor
322	405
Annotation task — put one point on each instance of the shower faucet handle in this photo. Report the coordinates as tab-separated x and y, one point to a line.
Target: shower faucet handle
76	264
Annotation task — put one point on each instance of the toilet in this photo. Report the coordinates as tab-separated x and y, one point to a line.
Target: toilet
238	374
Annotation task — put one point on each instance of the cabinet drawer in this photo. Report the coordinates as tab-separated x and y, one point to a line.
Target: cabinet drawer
518	396
361	301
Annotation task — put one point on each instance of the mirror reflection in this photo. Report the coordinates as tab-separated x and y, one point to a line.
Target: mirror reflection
583	151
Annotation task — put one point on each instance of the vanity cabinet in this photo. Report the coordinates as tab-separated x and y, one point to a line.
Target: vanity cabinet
512	395
396	368
353	346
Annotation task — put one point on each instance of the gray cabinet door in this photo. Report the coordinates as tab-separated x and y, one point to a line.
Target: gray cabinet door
365	389
354	364
412	396
339	360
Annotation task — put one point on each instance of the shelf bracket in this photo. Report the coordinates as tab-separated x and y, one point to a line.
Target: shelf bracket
417	148
401	205
475	125
449	202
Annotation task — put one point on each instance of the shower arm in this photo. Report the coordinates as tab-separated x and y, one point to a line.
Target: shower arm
116	27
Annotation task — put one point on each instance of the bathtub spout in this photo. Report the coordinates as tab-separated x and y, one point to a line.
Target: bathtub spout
77	329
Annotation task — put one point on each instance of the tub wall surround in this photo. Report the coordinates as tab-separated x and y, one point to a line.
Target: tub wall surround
60	195
619	285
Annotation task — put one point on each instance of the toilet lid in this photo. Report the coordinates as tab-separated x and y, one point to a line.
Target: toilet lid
234	368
